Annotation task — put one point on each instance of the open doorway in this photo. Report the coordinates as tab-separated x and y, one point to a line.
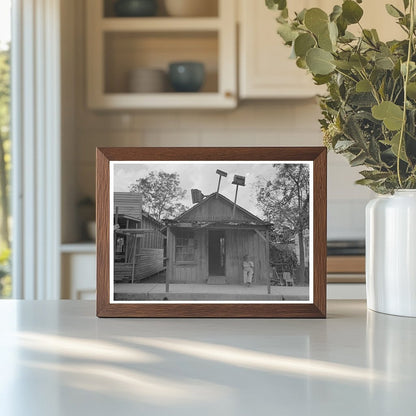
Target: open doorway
216	253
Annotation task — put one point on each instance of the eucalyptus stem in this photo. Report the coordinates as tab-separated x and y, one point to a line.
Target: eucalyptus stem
406	80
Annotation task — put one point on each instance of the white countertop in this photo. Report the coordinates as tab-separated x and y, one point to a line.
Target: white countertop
57	358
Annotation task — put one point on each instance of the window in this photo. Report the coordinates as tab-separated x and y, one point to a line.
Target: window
185	246
5	160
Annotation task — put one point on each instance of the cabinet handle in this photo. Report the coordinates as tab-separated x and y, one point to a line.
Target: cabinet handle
229	94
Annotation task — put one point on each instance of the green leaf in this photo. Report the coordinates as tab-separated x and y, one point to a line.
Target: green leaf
411	90
374	150
333	32
353	131
394	145
374	174
365	182
303	43
325	42
375	35
393	11
301	15
358	160
358	61
321	79
342	25
384	62
382	89
368	36
336	12
363	86
406	4
412	67
345	65
351	11
287	33
301	63
347	37
316	20
343	145
276	4
319	61
388	112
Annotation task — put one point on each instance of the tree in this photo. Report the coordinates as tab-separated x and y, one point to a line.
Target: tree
161	194
5	162
4	142
284	201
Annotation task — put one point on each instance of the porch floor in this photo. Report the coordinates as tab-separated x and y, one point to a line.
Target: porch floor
157	291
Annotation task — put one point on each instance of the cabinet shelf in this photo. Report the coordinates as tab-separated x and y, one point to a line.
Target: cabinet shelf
116	46
198	100
160	24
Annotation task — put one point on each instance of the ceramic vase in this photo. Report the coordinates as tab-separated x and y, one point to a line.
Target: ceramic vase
391	253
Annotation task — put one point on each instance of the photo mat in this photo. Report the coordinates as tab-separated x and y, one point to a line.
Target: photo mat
211	232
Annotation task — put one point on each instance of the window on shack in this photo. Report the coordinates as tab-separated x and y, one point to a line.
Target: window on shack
185	246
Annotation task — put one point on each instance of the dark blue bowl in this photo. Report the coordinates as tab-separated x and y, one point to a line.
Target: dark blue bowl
135	8
186	76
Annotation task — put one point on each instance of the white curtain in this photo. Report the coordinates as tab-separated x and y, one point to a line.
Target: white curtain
36	138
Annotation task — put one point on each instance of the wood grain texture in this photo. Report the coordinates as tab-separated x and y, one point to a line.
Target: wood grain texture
346	264
223	310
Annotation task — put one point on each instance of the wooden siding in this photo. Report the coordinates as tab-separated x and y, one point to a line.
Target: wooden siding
148	262
154	239
241	242
237	244
128	204
122	272
216	209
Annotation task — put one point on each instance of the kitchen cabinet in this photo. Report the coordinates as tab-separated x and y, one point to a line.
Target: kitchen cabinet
264	65
265	69
78	263
118	45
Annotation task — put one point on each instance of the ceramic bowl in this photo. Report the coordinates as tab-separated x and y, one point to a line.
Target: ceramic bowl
147	80
186	76
135	8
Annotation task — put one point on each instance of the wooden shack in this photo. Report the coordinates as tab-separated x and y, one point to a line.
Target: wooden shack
207	243
138	240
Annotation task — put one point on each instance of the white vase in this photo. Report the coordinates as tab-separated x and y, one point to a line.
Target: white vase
391	253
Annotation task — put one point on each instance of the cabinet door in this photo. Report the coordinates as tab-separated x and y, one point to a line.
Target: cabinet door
376	17
265	68
79	276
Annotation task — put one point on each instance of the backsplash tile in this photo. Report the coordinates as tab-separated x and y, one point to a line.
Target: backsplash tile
258	123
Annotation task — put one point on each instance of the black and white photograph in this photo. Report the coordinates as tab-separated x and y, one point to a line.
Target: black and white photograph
211	232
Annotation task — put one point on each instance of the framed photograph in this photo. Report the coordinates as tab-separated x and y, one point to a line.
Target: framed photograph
211	232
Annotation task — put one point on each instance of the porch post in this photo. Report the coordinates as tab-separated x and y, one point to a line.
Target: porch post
268	261
169	249
134	259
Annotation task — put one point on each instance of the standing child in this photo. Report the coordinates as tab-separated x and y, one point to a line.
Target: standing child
248	270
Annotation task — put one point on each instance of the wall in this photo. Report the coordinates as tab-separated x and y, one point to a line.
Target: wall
254	123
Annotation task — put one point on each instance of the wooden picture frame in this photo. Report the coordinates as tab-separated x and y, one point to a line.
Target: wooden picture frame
108	225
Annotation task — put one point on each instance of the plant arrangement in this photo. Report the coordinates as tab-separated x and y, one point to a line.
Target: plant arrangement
369	112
